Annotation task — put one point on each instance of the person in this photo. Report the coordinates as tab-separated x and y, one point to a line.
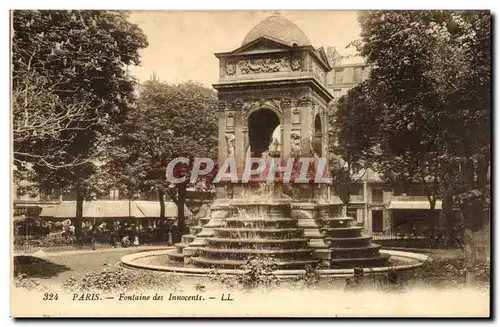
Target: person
133	236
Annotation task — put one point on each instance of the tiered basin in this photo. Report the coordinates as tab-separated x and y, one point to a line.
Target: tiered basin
240	230
256	229
349	247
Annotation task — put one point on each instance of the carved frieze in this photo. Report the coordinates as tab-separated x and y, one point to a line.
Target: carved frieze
318	73
238	104
268	65
230	68
303	101
319	99
286	102
296	63
221	105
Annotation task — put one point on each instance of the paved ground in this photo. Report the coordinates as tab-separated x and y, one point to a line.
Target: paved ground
55	268
58	267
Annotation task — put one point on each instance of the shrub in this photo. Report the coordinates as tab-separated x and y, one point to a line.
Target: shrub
119	279
53	240
23	281
258	272
310	278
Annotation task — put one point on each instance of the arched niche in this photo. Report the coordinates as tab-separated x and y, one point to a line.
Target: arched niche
318	135
264	132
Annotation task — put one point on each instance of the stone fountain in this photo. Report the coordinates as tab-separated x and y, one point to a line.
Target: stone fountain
273	103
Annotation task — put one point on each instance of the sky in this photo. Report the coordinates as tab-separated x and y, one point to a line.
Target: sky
182	43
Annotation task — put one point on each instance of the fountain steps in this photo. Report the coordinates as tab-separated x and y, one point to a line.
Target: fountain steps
203	221
180	246
258	243
274	233
343	232
196	229
257	219
188	238
378	261
340	223
255	251
244	254
369	251
234	264
354	242
175	256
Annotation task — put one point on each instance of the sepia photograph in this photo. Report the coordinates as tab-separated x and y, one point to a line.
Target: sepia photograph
250	163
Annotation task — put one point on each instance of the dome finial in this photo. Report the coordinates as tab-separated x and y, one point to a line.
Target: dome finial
276	13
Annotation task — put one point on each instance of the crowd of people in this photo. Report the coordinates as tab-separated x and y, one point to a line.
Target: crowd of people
126	232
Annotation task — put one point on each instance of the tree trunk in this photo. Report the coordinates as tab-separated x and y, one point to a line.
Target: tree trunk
451	224
79	215
161	198
181	201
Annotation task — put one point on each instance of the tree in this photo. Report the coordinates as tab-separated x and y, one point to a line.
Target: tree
80	57
169	121
429	90
40	119
351	141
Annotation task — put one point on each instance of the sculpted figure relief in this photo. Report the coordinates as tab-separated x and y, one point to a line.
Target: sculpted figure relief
296	63
295	138
262	65
230	138
230	68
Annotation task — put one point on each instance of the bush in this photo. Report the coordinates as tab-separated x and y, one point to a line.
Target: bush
257	272
119	279
310	278
53	240
23	281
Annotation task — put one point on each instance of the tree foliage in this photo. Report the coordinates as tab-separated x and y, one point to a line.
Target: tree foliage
70	88
427	102
169	121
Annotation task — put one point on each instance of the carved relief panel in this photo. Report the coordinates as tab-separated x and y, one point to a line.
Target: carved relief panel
318	72
263	65
296	116
230	120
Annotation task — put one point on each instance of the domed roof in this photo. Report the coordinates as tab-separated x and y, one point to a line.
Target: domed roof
280	28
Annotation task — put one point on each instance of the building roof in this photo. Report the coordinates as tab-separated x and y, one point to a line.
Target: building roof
114	209
280	28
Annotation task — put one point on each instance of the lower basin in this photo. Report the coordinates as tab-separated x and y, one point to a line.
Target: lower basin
158	261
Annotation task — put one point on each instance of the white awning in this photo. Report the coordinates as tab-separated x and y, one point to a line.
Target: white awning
115	209
415	205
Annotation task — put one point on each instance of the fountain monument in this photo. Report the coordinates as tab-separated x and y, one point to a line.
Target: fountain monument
273	104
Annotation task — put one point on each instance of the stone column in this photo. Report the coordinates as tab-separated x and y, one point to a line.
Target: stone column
222	132
287	130
305	126
239	144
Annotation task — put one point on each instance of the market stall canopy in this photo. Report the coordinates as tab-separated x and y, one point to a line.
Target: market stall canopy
48	211
413	205
114	209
